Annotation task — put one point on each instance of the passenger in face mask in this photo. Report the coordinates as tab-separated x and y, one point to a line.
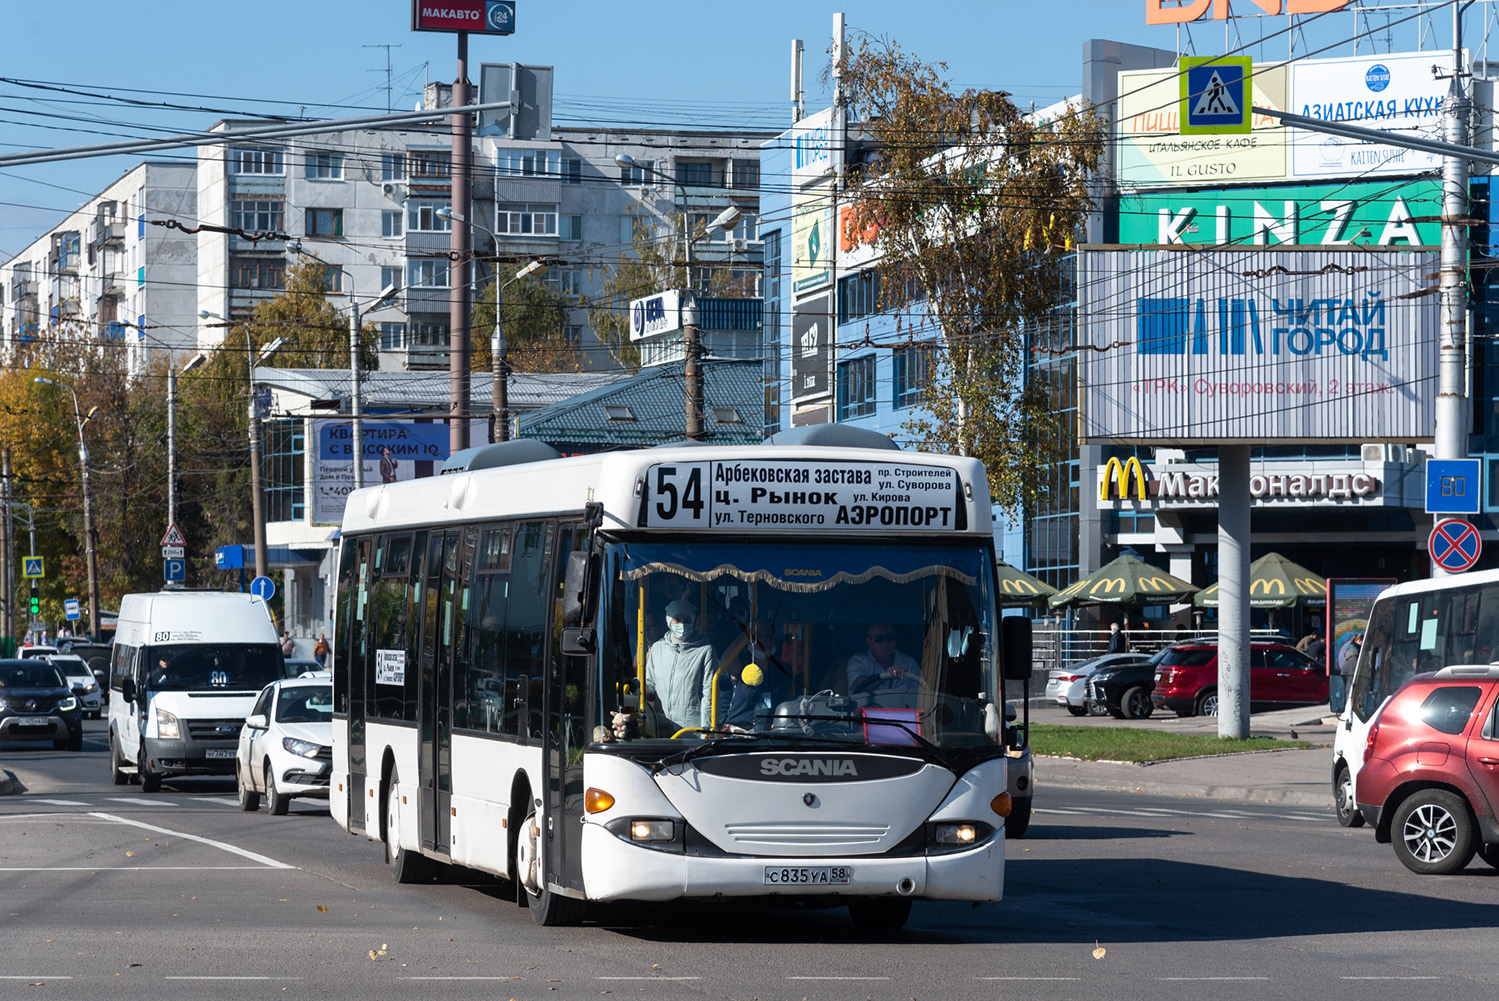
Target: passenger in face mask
679	670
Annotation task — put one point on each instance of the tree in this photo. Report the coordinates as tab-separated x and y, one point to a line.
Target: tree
316	332
973	205
535	317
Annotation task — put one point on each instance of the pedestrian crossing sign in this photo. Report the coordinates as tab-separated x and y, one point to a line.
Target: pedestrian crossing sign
1215	95
31	566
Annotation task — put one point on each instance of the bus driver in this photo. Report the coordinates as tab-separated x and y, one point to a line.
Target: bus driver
882	666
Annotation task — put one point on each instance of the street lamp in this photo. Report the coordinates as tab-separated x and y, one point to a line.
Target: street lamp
88	506
499	348
692	371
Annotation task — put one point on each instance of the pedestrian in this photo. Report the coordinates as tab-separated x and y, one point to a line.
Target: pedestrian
388	465
288	645
1118	642
321	651
1317	650
1306	641
1348	659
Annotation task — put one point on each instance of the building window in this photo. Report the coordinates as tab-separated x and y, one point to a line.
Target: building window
695	173
285	463
573	333
430	272
431	163
572	227
325	166
422	217
526	220
858	295
390	222
392	166
529	162
700	222
747	174
390	277
325	222
771	330
567	281
856	388
246	271
428	334
392	336
256	160
333	280
748	227
572	171
639	173
627	230
913	370
256	216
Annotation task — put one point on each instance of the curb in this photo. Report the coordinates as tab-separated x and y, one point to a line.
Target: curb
1258	794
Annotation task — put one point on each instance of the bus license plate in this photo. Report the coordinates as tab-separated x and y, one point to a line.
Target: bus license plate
825	875
218	752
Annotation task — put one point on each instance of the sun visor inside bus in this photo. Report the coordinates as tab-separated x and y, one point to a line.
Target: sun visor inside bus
800	569
833	436
500	453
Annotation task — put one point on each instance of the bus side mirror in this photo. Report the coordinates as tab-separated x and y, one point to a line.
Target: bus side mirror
1015	647
127	689
575	588
1337	692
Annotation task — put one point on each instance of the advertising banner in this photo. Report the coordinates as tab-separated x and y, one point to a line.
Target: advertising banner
1371	213
393	451
1153	152
812	147
811	241
1391	93
1213	346
811	348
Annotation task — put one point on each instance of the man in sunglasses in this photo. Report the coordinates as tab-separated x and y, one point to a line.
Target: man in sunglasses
882	666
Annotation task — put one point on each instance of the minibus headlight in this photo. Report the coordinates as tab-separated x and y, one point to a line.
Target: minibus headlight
652	830
166	725
955	834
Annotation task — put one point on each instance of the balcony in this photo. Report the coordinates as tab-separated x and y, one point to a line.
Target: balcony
112	235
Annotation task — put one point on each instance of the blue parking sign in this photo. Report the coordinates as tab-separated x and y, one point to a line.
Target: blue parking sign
174	571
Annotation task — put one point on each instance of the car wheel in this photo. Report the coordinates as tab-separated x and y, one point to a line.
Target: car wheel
1077	710
249	799
547	908
275	800
150	781
1433	833
1490	854
75	742
60	745
116	767
405	866
1019	820
1342	795
1115	711
1097	708
1207	703
1136	703
880	913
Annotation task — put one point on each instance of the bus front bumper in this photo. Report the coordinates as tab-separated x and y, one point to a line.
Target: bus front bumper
614	869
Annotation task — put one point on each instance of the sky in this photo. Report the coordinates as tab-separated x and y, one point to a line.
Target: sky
651	63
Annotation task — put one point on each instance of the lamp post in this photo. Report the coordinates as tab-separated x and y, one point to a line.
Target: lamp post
499	348
88	507
692	371
356	397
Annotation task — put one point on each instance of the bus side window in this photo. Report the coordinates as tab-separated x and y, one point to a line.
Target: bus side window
1486	631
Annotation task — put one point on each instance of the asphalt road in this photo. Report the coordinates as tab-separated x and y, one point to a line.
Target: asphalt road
1112	895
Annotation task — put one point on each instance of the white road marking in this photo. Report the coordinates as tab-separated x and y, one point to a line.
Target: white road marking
56	802
13	977
231	978
224	846
217	799
139	801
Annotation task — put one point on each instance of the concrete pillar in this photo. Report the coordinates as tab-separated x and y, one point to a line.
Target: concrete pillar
1233	591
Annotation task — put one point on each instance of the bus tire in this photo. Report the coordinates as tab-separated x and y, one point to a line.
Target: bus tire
405	866
1342	795
880	913
547	909
1019	820
117	774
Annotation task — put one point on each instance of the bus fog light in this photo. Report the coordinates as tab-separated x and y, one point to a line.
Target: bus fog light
597	800
956	834
652	830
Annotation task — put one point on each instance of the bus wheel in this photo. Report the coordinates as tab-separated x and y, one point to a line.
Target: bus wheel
1342	794
1019	820
548	909
116	766
150	781
405	866
880	913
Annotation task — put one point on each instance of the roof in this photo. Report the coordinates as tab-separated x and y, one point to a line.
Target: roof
407	390
655	410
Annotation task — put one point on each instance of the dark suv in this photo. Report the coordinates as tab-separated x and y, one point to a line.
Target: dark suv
1280	677
1430	776
36	703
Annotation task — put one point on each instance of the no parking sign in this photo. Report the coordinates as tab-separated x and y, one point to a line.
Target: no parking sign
1454	545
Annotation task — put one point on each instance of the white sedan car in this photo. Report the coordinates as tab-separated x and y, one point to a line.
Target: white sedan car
81	677
1068	686
286	745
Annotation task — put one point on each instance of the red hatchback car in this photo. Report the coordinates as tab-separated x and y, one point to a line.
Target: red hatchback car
1430	777
1280	677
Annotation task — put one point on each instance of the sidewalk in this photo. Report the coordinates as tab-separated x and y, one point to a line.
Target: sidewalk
1297	777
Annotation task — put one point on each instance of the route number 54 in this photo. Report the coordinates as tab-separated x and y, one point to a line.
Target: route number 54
679	493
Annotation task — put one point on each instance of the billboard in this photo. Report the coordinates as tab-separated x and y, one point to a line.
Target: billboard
811	240
1391	93
414	450
812	147
1349	601
485	17
1214	346
811	348
1372	213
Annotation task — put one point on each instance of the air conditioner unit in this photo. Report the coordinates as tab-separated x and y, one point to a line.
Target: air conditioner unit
740	246
1372	453
394	189
1382	453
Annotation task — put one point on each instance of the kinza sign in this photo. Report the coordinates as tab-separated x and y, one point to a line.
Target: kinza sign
1182	11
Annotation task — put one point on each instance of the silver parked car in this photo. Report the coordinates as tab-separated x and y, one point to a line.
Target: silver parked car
1067	687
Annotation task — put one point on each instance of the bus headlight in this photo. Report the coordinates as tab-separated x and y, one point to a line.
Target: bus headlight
955	834
652	830
166	725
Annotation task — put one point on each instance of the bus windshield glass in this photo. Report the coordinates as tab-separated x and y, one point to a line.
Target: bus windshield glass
191	667
867	643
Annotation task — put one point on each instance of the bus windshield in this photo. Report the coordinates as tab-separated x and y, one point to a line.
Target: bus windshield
191	667
866	643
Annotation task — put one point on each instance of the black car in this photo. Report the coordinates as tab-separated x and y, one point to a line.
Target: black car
1124	692
36	703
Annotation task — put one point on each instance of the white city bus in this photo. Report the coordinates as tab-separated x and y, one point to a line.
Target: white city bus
506	700
1416	627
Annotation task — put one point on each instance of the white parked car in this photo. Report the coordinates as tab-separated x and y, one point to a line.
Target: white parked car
81	679
1068	686
286	745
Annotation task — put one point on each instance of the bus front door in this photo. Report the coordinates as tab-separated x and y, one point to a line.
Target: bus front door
434	704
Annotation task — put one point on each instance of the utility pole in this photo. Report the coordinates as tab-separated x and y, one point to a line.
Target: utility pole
356	401
171	442
7	552
460	312
257	502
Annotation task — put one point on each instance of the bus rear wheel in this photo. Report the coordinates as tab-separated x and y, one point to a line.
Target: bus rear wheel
880	913
547	909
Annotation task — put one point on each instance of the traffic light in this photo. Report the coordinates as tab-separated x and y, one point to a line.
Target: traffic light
36	603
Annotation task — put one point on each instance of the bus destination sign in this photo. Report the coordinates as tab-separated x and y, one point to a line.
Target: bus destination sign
786	494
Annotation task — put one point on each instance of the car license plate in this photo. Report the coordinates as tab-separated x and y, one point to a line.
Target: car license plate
219	752
34	721
825	875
